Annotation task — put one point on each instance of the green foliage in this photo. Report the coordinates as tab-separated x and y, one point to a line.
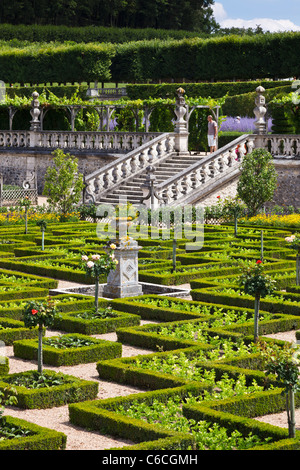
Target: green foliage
258	180
255	282
40	313
63	184
284	363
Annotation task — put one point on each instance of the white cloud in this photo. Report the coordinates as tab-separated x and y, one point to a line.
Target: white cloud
267	24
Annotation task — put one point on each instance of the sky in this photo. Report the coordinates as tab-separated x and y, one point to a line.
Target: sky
271	15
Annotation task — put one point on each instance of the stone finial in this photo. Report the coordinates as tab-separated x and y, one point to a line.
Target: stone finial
181	124
35	112
260	111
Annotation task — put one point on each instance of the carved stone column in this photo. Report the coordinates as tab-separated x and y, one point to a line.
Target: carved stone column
35	122
260	111
181	125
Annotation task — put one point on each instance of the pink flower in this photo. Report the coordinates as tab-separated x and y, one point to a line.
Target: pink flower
90	264
84	258
95	257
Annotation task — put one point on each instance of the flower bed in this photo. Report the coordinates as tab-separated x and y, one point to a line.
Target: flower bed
50	389
87	322
159	420
68	350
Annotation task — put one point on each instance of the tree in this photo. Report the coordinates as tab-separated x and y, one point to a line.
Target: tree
258	284
63	183
258	180
40	314
284	363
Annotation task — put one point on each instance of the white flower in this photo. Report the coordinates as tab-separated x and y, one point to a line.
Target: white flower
84	258
95	257
90	264
113	246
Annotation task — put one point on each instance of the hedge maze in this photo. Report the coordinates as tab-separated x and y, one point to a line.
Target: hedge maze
204	365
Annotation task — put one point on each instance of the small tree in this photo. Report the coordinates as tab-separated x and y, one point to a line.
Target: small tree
63	183
98	265
256	283
258	180
232	208
284	363
40	314
43	225
26	203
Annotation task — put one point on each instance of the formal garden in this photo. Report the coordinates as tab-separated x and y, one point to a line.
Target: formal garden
205	355
209	365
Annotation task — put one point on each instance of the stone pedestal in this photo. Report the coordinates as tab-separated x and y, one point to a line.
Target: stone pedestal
123	281
181	125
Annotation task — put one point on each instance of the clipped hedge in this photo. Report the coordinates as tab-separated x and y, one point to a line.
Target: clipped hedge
62	63
14	330
4	365
40	438
147	335
194	90
100	349
55	272
126	371
71	323
102	415
73	390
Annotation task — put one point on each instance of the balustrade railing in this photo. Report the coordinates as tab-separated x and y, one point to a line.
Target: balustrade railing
205	173
18	139
102	181
282	145
98	141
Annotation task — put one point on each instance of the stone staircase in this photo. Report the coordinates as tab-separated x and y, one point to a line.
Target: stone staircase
181	178
131	189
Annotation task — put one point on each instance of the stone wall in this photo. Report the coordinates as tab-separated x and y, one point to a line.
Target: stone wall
286	194
16	165
288	183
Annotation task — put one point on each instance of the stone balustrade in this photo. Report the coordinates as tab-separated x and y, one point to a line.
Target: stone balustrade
128	166
93	141
205	174
281	145
19	139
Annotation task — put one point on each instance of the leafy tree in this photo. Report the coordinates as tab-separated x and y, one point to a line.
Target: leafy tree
258	180
191	15
40	314
63	183
284	363
258	284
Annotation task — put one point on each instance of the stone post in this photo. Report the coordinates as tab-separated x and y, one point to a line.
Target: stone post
150	197
35	122
123	281
260	111
181	125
